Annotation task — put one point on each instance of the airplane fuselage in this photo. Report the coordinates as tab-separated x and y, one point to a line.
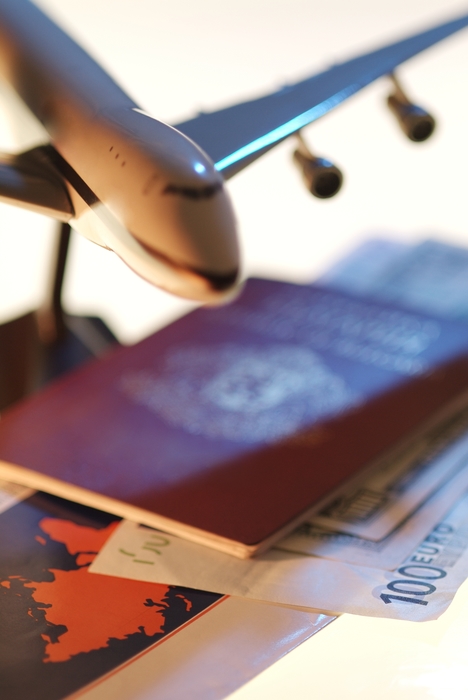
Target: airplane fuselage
137	185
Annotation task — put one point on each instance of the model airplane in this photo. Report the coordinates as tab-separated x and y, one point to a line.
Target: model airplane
152	193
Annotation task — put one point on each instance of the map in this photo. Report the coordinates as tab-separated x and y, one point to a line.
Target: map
62	628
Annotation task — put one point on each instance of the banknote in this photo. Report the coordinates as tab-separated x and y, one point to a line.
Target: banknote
391	550
430	276
384	498
433	277
420	588
361	270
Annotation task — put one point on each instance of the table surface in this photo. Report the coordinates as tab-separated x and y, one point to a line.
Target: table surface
178	57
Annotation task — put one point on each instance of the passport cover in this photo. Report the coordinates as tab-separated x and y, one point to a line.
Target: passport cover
232	424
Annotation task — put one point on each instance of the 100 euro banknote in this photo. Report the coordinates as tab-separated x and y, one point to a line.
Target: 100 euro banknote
420	588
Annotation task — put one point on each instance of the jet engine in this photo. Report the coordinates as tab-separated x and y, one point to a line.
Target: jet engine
322	178
415	122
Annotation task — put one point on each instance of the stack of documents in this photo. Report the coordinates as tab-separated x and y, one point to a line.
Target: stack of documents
395	544
383	550
158	615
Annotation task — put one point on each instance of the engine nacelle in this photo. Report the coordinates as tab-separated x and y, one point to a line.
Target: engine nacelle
415	122
323	179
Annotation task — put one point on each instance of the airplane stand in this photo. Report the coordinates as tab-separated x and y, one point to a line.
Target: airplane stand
46	343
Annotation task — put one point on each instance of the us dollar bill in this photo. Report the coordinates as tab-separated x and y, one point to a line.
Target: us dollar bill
391	550
374	506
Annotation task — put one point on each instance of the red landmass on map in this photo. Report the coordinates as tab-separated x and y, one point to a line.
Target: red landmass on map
76	538
94	608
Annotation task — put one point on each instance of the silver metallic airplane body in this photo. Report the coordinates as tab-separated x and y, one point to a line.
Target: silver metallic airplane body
127	175
138	186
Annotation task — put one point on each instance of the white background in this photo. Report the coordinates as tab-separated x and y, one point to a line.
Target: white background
179	56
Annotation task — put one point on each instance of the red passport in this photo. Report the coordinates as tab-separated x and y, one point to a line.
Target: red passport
232	425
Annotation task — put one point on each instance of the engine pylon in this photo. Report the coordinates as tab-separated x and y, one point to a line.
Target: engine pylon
415	122
322	177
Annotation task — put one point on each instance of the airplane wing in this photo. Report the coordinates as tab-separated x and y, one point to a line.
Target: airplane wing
31	180
235	136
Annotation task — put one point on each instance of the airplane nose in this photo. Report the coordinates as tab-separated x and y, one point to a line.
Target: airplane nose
169	217
210	244
222	283
194	251
190	249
